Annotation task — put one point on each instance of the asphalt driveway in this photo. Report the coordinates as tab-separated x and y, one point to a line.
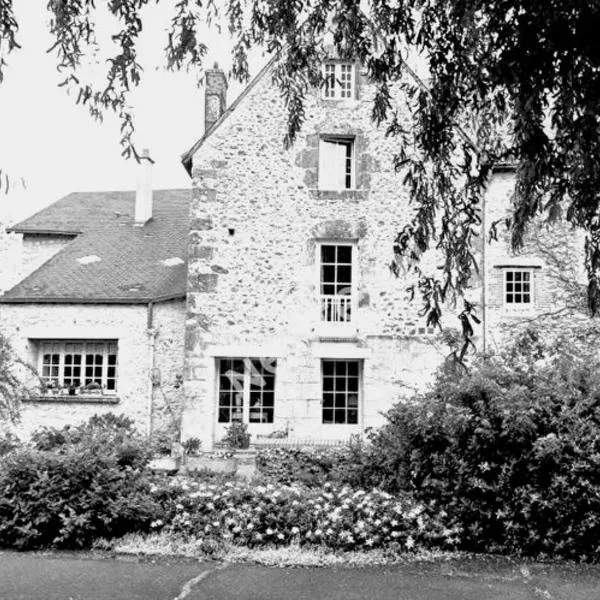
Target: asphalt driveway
65	576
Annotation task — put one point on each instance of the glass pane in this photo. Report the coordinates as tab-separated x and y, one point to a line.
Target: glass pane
327	400
353	417
327	416
223	415
327	254
328	367
344	274
327	273
340	400
340	416
344	254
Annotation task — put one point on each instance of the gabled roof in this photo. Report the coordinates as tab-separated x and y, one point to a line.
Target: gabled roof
111	259
187	157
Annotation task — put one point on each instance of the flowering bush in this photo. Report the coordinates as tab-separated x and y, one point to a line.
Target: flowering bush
334	517
511	450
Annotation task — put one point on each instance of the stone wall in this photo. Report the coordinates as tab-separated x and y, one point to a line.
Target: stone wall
257	219
24	324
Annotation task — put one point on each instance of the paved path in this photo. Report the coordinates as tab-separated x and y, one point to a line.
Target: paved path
81	577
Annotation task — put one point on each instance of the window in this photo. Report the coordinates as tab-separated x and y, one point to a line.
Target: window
78	367
340	391
336	282
518	287
336	163
339	80
246	390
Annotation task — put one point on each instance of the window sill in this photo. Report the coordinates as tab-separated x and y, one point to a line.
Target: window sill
519	312
65	399
336	331
360	194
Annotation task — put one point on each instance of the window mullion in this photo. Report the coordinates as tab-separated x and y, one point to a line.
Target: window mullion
61	366
246	391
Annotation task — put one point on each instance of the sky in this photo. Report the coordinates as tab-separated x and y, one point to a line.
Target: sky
50	146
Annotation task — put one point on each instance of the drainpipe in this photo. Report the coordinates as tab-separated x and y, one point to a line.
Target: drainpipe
152	333
483	275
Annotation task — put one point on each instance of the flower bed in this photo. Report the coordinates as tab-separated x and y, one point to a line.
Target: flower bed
333	517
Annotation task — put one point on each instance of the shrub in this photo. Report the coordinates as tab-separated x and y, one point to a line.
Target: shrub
333	516
237	436
76	483
345	465
67	499
192	446
511	450
115	434
8	442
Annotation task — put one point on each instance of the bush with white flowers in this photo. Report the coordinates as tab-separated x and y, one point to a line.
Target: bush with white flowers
334	517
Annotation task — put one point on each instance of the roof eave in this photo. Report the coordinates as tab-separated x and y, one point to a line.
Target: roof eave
26	230
76	300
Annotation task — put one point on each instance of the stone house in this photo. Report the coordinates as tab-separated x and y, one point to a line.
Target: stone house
267	290
295	324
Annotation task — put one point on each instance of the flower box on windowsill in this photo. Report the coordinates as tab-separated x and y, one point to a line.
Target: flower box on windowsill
73	399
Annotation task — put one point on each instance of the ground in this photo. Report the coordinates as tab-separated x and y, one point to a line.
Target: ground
71	576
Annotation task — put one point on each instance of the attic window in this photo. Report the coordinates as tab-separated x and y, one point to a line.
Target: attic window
339	80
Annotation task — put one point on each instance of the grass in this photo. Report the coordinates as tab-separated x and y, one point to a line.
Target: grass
163	545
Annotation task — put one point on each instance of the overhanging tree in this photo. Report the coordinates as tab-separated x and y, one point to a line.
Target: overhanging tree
509	80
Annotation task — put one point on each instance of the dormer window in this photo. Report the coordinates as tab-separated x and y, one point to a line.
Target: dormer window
339	81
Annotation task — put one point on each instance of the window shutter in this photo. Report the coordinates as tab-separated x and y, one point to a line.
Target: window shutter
327	165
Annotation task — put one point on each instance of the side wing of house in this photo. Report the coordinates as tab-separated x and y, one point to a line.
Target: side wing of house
98	314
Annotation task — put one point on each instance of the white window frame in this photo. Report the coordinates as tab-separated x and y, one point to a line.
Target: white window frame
243	385
324	299
337	163
334	391
56	384
518	306
336	75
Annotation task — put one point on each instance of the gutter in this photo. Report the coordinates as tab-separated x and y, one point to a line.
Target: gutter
63	300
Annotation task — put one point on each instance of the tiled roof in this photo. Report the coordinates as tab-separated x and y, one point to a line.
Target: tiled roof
111	260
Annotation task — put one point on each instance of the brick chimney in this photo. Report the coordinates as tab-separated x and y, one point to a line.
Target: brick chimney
143	194
215	96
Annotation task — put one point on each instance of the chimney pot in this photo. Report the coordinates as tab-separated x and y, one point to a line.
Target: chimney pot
143	194
215	96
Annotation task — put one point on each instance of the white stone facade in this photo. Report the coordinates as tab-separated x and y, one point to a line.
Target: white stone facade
26	325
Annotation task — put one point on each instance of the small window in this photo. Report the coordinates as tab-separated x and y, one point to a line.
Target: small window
339	80
78	367
518	287
336	283
246	390
336	163
340	380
